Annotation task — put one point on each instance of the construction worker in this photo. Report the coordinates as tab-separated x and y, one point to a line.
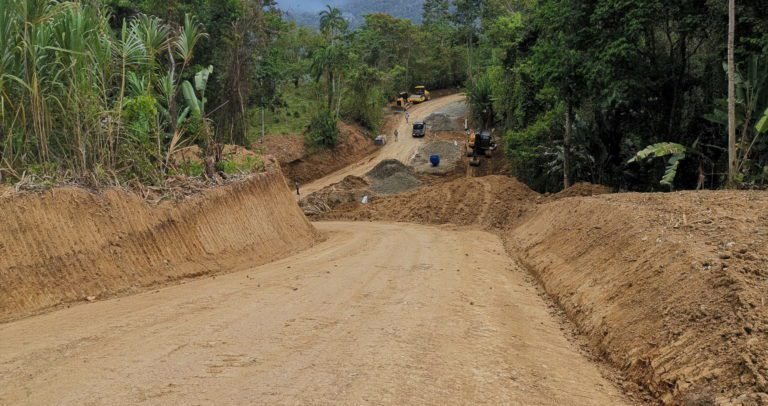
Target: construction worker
396	134
407	116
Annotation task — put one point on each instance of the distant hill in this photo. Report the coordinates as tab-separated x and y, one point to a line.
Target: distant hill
305	11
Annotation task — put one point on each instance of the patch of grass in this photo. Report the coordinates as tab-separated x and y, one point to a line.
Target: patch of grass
191	168
249	165
291	118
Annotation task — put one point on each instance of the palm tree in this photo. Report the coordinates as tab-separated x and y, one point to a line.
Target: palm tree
332	23
327	62
731	93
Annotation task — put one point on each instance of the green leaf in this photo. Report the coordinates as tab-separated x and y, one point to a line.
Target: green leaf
191	98
201	78
762	125
671	171
659	150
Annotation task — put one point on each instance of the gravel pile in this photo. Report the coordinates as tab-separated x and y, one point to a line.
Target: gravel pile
458	109
392	177
397	183
443	122
387	168
449	118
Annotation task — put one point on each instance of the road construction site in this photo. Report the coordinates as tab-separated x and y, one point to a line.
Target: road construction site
390	282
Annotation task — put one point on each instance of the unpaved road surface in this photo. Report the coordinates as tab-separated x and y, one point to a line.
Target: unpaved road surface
377	314
402	150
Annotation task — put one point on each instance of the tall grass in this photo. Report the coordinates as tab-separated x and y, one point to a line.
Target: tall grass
77	96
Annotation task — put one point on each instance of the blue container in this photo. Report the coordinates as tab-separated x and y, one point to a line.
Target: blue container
434	159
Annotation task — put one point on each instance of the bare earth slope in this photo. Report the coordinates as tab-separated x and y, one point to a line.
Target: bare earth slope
493	202
670	287
450	319
69	244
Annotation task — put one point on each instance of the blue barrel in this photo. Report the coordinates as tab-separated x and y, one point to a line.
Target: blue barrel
434	159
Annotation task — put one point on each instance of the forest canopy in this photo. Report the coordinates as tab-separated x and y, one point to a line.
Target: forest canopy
630	94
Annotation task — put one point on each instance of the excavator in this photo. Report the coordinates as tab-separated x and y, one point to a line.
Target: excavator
403	101
480	143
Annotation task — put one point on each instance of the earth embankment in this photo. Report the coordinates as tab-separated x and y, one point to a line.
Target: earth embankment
69	244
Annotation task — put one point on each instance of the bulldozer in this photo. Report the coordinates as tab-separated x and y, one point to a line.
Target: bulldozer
420	95
480	143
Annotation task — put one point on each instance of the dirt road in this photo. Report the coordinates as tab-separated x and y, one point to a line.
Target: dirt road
401	150
379	313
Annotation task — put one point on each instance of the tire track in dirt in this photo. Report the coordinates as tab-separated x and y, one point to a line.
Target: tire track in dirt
449	319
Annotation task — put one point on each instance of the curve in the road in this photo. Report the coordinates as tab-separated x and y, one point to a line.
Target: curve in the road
401	150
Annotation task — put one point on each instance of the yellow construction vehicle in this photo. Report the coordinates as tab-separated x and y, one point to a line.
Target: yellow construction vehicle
403	101
420	95
480	143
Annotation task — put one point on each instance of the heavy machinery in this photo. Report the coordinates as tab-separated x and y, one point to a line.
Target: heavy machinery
480	143
403	101
420	95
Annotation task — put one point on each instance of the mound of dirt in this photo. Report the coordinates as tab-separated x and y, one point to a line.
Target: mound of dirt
352	147
397	183
668	287
392	177
450	155
443	122
350	190
69	244
495	202
387	168
583	189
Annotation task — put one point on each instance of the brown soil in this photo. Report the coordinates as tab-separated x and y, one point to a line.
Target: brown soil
377	314
583	189
69	244
668	288
495	202
305	166
349	191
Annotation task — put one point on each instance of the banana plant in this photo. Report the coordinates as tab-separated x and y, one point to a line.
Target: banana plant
195	105
676	153
762	125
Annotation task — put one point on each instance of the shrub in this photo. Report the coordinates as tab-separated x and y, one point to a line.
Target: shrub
322	130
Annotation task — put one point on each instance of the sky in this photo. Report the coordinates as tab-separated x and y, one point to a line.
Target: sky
304	5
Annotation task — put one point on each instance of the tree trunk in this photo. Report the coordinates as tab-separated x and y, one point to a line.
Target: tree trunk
331	88
567	145
732	164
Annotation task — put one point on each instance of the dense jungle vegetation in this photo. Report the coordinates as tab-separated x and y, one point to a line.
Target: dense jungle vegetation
632	94
111	90
606	82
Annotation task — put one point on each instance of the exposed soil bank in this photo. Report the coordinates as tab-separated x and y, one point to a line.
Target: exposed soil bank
493	202
668	287
304	166
69	244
